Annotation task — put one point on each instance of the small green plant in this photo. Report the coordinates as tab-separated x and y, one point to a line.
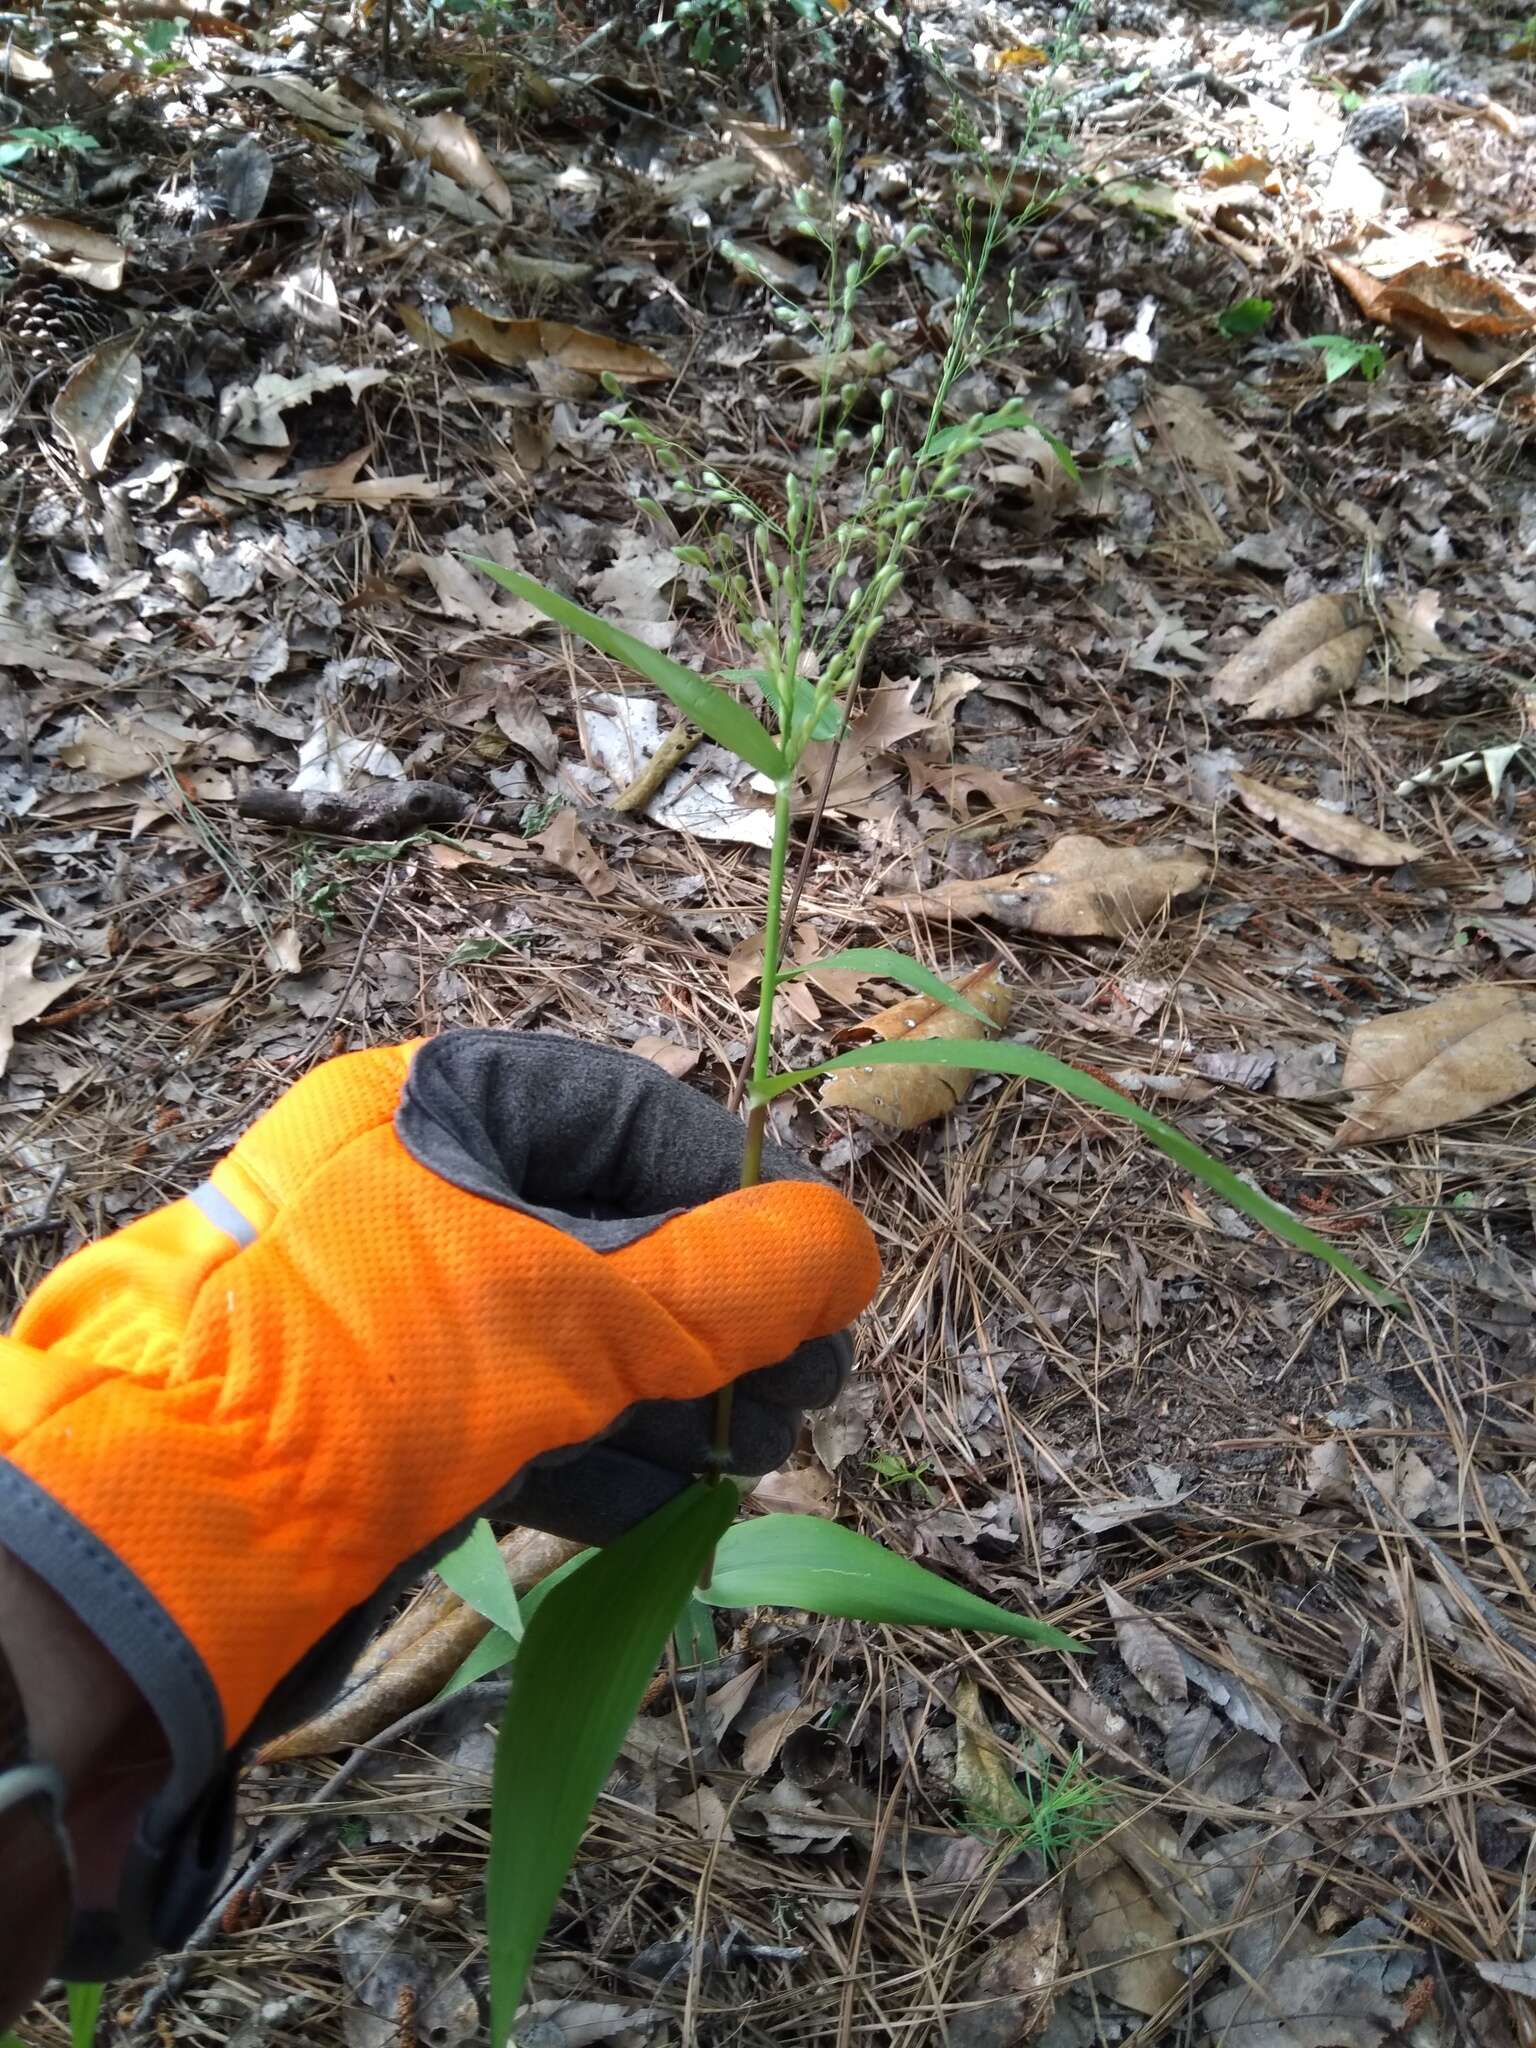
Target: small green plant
538	812
488	946
1248	316
17	144
891	1469
810	586
1054	1810
1341	355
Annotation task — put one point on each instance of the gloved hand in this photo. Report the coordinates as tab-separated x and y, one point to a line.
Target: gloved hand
229	1432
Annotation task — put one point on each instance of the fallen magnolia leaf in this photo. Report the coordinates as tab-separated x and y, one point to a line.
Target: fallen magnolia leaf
901	1098
98	400
1472	323
1447	1060
72	250
512	344
1328	831
1305	657
564	845
22	996
1080	889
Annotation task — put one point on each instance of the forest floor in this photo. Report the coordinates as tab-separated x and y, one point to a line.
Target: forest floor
1297	1531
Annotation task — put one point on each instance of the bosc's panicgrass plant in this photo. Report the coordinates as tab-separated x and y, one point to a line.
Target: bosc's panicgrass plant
810	588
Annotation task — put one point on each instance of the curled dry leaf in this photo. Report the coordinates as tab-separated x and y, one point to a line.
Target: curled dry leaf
22	996
564	845
446	141
904	1097
1447	1060
404	1666
1472	323
1080	889
1306	657
512	344
70	249
253	413
1328	831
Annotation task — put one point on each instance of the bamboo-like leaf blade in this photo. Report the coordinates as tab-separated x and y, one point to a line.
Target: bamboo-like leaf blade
477	1572
892	966
724	718
805	1561
84	2010
586	1658
1032	1065
495	1651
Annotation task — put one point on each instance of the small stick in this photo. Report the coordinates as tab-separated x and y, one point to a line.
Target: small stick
678	743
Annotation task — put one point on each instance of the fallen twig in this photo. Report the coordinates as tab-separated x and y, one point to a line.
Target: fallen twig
387	812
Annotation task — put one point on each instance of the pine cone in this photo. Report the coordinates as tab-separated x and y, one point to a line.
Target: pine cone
50	321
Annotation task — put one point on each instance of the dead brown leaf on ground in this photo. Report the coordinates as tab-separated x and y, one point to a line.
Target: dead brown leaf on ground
1305	657
901	1098
1470	321
72	250
22	995
446	141
1194	434
1082	888
513	344
1332	832
564	845
1415	1070
97	402
1125	1938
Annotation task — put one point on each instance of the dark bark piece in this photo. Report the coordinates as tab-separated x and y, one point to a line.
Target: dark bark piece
388	812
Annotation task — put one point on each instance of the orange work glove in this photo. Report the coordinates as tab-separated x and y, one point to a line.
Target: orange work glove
228	1432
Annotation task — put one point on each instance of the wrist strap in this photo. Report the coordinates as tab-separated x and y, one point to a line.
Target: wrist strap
36	1881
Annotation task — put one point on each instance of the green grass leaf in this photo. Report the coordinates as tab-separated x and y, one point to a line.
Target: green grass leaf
892	966
1031	1065
84	2009
968	434
724	718
586	1658
804	1561
477	1572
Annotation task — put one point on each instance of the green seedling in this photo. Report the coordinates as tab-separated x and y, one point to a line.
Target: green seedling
1054	1811
810	585
1341	355
893	1470
17	144
1248	316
